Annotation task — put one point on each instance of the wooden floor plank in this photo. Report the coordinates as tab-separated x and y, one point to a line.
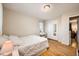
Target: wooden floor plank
58	49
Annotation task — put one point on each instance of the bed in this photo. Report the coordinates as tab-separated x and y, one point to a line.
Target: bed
30	45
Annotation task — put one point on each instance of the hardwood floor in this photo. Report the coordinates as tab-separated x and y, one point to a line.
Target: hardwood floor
74	43
58	49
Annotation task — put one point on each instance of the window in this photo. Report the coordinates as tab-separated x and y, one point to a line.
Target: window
54	30
41	26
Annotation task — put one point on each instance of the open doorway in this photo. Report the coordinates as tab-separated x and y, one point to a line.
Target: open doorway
74	32
73	29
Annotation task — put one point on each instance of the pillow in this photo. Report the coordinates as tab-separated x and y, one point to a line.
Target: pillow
16	40
5	36
13	37
2	40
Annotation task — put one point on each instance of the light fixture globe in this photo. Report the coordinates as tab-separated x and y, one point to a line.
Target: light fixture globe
46	7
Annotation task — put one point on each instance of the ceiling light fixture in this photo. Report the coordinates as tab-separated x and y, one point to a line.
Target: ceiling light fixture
46	7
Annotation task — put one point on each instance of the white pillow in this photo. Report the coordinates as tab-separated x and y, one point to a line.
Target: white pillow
5	36
2	40
15	40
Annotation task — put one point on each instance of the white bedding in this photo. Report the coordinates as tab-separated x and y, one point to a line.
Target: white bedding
29	45
32	45
32	39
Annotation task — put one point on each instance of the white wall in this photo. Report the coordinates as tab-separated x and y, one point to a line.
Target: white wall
62	27
1	17
18	24
65	26
49	28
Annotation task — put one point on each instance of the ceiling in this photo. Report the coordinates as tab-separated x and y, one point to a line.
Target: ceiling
34	9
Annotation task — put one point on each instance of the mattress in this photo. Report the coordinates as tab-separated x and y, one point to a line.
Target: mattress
32	39
32	45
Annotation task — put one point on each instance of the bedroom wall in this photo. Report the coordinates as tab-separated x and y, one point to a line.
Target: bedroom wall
1	18
65	26
49	28
18	24
62	28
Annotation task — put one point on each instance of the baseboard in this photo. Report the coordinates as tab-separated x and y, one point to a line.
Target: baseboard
58	41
